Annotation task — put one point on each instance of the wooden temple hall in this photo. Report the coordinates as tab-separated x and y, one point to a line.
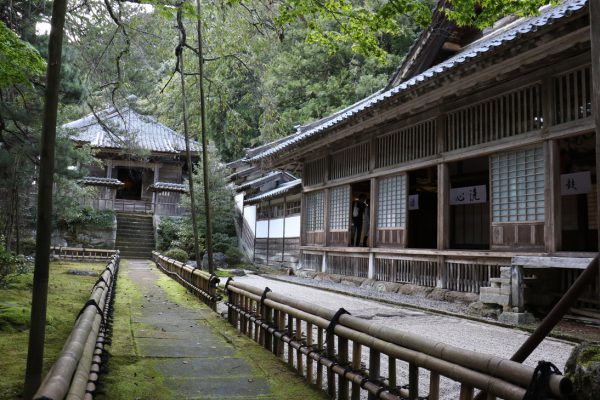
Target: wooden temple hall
479	156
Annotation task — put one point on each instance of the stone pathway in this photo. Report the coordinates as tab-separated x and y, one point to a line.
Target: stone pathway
196	362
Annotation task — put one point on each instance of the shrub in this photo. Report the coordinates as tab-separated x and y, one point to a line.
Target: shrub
177	254
11	266
167	233
91	218
234	256
222	242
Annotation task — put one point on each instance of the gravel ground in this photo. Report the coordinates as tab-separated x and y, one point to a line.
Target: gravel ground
463	333
396	298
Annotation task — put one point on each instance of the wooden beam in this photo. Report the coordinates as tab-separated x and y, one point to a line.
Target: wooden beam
552	262
595	46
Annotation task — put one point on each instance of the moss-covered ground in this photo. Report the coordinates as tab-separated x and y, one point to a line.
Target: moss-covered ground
129	375
284	382
66	295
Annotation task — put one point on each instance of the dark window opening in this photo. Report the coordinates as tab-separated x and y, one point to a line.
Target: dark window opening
132	178
578	185
422	208
360	218
469	204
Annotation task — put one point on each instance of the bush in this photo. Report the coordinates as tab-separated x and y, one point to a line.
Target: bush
167	233
91	218
222	242
177	254
11	266
234	257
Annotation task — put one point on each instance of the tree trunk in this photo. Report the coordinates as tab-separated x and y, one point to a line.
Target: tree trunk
186	134
207	211
35	352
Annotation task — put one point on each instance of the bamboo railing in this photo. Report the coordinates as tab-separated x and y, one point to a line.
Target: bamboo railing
276	321
203	284
75	373
351	357
81	253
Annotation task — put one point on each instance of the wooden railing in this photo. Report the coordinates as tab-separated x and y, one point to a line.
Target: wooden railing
331	348
74	374
81	253
137	206
203	284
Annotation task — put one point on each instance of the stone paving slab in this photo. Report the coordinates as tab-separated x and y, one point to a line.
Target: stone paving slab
196	362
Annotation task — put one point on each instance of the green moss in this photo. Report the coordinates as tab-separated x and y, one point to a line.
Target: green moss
590	355
222	273
66	296
130	376
284	382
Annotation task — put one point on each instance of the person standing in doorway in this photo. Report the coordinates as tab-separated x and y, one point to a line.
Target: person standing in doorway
358	211
367	223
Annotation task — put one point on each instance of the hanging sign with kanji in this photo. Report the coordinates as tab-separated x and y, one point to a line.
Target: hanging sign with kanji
576	183
468	195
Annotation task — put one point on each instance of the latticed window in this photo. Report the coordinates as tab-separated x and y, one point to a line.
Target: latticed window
314	211
277	210
293	207
262	211
339	204
391	202
518	186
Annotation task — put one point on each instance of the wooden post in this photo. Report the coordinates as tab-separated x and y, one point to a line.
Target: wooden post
330	343
255	232
343	360
356	359
374	368
283	233
595	46
373	212
413	381
309	360
516	289
443	226
268	228
326	216
552	225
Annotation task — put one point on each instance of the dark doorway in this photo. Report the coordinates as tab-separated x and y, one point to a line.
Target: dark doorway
578	185
132	178
469	204
422	208
360	218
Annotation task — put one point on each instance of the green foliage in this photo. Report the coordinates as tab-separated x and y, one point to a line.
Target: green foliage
19	61
11	266
167	233
222	242
234	257
90	218
177	254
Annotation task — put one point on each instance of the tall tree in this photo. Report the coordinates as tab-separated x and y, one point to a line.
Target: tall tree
35	353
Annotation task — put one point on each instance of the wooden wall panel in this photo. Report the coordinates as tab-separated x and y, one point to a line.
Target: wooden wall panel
314	238
390	237
522	235
338	238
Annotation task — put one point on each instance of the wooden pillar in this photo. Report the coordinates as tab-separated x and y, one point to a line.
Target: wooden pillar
371	273
255	232
283	232
443	226
326	216
268	228
595	46
109	167
302	219
552	225
373	212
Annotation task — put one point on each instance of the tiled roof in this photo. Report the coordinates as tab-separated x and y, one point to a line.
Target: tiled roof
168	187
270	176
98	181
128	129
496	39
277	192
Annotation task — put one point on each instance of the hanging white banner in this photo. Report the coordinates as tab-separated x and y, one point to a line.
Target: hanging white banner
468	195
576	183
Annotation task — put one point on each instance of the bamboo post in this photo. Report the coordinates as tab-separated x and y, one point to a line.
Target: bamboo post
413	381
356	360
298	352
329	338
309	361
374	368
343	360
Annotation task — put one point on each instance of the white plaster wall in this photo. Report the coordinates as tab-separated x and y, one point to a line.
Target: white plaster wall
262	229
276	228
239	201
292	226
250	217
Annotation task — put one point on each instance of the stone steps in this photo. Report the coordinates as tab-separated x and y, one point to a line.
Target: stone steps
135	235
